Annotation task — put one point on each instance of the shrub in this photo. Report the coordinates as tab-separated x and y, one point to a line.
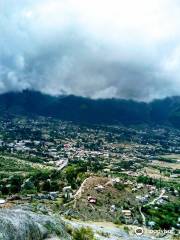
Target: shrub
126	229
83	234
104	234
119	186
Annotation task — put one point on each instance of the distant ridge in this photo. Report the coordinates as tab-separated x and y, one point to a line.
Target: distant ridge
85	110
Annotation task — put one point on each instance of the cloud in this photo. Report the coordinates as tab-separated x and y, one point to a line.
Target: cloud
92	48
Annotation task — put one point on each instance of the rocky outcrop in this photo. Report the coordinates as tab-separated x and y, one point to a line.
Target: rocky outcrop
18	224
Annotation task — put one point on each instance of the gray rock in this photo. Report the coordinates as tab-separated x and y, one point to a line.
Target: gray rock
18	224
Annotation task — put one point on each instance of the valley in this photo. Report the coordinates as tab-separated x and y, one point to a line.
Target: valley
126	176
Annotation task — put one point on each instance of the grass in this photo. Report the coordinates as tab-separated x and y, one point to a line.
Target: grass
14	164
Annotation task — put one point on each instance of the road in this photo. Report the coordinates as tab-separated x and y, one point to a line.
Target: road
156	199
151	203
63	165
143	217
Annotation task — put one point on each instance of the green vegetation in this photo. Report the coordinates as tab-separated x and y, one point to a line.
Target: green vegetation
165	216
119	186
50	159
38	180
13	165
74	173
12	185
83	234
168	160
159	183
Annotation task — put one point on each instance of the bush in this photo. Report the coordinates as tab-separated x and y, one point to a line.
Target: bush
104	234
126	229
119	186
117	221
83	234
69	229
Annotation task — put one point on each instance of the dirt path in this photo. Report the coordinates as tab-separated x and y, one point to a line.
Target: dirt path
107	230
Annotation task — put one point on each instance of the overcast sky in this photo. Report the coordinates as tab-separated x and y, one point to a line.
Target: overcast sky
93	48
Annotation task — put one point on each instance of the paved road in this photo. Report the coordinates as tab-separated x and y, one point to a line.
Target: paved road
156	199
143	217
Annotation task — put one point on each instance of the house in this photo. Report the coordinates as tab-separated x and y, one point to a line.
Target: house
99	188
165	197
2	201
128	182
113	208
150	187
127	213
134	189
113	181
151	224
92	200
142	199
140	185
175	176
53	195
67	191
152	192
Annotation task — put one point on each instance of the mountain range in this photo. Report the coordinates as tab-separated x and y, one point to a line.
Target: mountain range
89	111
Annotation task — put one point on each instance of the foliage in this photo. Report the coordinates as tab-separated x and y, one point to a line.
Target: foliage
73	173
83	234
165	217
119	186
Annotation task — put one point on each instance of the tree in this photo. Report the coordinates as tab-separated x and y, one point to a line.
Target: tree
15	183
71	174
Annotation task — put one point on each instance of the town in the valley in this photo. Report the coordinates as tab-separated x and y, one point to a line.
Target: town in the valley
124	175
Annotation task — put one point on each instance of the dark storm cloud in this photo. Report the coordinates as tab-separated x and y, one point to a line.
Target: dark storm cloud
99	49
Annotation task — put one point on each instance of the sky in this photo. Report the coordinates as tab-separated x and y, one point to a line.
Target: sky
92	48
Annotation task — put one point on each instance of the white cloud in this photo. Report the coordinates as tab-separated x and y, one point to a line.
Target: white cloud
94	48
